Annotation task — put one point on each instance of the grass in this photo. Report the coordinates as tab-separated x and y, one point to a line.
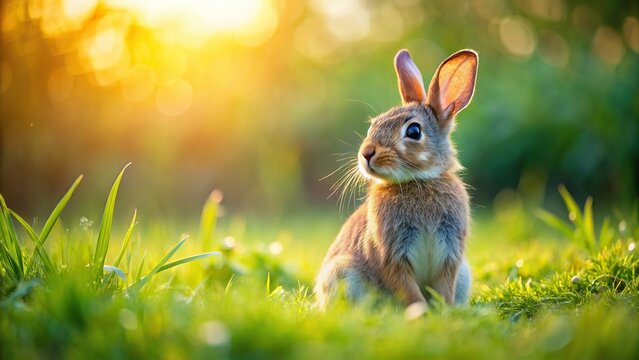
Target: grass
566	291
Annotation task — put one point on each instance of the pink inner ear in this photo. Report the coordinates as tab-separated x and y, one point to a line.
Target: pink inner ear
456	80
411	85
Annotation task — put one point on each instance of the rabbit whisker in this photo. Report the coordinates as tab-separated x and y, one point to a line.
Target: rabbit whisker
347	143
341	167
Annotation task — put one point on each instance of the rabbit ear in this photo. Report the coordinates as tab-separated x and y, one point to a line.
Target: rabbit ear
453	85
411	85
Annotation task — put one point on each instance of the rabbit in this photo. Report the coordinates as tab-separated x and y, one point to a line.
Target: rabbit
410	232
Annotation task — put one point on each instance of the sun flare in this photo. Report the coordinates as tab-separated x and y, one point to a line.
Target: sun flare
190	22
201	18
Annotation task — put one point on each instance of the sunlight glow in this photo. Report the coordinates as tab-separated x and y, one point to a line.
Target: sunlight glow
144	47
79	10
200	18
190	22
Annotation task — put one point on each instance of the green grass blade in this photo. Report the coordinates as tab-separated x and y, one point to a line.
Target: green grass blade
9	263
227	288
39	249
188	260
55	214
25	225
588	226
138	274
12	247
633	222
268	284
102	245
555	223
127	238
571	205
208	218
143	281
606	236
17	249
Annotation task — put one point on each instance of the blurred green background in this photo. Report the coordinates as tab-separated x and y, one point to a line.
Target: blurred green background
254	97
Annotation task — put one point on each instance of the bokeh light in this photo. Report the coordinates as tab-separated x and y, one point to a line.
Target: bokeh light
631	32
553	48
608	46
517	36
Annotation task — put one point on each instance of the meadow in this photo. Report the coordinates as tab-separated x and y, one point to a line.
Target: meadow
263	100
567	289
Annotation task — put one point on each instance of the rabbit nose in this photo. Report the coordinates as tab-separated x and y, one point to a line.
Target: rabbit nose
368	152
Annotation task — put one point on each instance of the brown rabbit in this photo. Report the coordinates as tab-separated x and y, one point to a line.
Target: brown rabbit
410	231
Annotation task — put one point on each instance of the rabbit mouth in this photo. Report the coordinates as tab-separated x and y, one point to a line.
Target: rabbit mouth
389	169
375	172
367	169
396	174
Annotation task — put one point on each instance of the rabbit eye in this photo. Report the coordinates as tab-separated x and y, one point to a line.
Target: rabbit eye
414	131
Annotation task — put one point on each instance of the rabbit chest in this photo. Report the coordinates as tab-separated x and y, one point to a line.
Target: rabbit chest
413	242
422	226
425	255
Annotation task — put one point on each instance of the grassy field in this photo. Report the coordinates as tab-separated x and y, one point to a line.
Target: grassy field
570	290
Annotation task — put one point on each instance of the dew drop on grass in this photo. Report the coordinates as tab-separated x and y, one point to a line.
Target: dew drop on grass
128	320
631	246
415	311
622	226
85	223
228	243
214	333
520	263
275	248
216	196
572	216
575	279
